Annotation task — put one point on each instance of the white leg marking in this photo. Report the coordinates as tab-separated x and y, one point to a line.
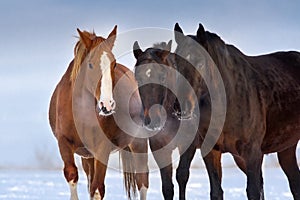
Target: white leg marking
106	88
73	190
97	195
143	193
89	182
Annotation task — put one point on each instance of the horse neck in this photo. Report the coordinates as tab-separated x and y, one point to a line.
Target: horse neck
170	97
171	60
226	58
85	87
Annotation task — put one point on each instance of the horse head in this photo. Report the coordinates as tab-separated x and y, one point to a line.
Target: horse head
98	67
193	63
155	77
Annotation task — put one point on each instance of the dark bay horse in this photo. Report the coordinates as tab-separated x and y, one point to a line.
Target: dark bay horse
263	103
156	74
86	110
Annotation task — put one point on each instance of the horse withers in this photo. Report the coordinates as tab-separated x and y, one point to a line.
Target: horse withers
263	103
86	112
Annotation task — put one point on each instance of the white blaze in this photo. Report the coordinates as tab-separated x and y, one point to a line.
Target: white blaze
106	81
148	73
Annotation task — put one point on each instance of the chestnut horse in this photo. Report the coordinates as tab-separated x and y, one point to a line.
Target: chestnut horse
263	103
86	110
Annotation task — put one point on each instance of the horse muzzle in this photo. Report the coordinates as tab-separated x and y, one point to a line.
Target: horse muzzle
106	107
155	118
153	124
184	115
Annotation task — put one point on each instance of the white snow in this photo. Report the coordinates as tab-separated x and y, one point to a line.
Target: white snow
30	184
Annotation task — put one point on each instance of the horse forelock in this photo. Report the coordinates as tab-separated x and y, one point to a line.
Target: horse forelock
160	45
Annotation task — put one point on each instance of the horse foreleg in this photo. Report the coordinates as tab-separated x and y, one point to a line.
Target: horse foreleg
97	189
288	162
214	169
88	167
140	151
164	162
70	169
183	170
240	163
167	184
253	158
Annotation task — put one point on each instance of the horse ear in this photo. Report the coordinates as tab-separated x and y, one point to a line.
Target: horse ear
169	46
85	39
112	37
136	50
167	50
201	33
178	33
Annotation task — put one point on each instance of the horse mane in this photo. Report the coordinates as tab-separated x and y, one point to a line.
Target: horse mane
217	43
80	52
213	36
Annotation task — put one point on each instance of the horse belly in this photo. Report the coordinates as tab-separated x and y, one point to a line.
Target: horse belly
281	135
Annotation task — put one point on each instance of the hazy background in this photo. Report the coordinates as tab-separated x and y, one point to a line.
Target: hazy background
37	41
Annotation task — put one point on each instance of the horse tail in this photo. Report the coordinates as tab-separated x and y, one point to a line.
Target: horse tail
128	172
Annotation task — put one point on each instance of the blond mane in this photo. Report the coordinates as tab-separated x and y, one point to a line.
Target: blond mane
80	52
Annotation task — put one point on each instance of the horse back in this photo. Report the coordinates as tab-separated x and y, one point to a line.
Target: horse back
288	62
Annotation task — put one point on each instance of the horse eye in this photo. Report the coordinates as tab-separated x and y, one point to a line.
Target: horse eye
90	65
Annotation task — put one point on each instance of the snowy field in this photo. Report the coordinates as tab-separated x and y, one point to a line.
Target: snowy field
31	184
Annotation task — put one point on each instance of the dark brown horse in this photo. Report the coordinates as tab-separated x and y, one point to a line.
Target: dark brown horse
86	112
156	76
263	103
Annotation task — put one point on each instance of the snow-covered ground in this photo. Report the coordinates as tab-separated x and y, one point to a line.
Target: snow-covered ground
31	184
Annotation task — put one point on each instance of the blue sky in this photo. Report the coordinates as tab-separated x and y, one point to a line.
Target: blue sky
37	41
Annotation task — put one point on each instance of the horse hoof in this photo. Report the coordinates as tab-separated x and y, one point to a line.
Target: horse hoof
96	196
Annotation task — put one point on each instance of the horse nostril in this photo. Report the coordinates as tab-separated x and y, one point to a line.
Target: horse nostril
106	108
156	122
105	111
112	104
147	120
